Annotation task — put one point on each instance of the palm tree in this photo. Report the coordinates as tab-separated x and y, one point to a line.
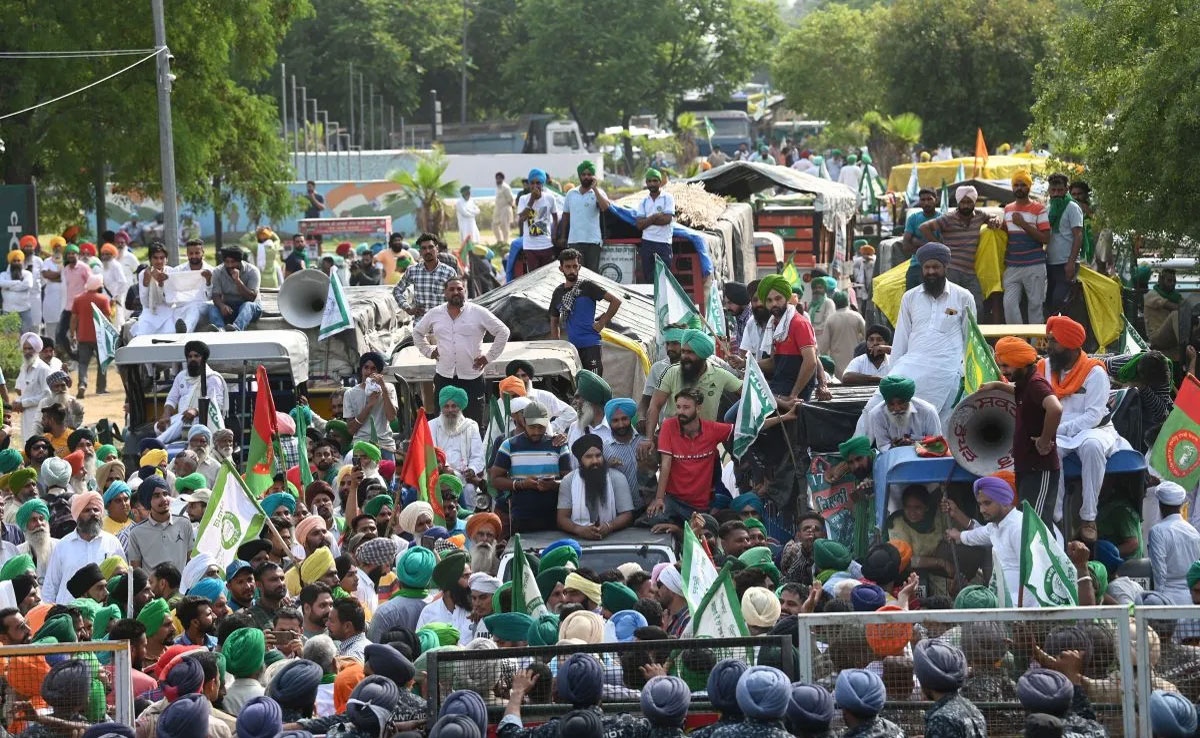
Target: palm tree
687	125
891	138
425	189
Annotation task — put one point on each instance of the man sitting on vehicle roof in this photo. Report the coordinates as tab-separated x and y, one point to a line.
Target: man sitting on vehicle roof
593	500
902	419
458	437
182	407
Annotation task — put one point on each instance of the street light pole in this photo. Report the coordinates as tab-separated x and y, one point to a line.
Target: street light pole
166	138
462	111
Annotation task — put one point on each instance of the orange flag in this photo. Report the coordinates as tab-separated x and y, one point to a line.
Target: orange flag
420	469
981	153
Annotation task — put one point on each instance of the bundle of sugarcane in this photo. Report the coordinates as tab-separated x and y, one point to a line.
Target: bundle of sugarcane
695	207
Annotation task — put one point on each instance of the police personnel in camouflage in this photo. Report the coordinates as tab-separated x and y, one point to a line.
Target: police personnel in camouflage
941	669
1061	694
861	694
579	683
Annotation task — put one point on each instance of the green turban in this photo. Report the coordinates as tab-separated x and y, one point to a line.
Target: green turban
840	300
16	566
457	395
558	557
376	503
23	476
653	173
71	249
370	450
153	614
337	428
827	363
449	570
497	606
36	505
831	555
87	606
760	558
271	656
774	283
58	627
451	482
895	387
509	626
446	634
855	446
592	387
672	335
191	482
587	166
101	620
699	342
543	631
1193	574
615	596
860	242
10	459
551	577
1100	577
105	452
244	651
415	567
976	597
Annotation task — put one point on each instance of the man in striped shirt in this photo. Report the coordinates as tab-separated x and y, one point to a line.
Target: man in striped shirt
960	231
530	466
1028	225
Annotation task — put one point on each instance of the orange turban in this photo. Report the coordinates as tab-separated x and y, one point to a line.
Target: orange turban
28	240
484	520
889	639
75	459
867	250
344	683
906	552
1009	477
109	249
1066	331
513	386
1016	352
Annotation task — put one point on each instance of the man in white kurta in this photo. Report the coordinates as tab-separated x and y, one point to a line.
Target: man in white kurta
182	407
1085	429
31	384
192	309
930	334
87	544
458	437
466	210
900	423
1173	545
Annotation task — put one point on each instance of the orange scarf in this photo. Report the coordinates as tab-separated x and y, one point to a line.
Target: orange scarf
1073	381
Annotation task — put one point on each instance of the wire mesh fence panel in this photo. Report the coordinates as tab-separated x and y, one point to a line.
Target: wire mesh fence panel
489	672
59	690
1171	646
999	646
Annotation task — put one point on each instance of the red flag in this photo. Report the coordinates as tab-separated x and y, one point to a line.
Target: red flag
421	468
261	460
981	153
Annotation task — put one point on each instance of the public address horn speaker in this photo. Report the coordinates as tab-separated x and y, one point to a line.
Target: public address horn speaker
981	430
302	298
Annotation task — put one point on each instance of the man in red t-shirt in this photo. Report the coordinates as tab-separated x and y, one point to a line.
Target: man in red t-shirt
792	365
687	447
1035	459
83	329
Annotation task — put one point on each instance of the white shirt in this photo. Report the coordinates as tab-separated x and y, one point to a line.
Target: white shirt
933	326
185	387
128	260
464	449
1173	545
664	203
436	612
536	233
52	296
31	383
922	421
376	429
752	339
1005	539
1083	411
72	554
116	280
805	165
862	364
850	176
468	229
18	293
459	340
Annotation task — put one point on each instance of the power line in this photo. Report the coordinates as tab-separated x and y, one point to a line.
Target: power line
148	57
72	54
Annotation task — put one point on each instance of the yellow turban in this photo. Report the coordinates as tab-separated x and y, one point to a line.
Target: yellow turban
590	589
1021	176
316	565
153	457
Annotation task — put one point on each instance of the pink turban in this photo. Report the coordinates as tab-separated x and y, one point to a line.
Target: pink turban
304	527
81	500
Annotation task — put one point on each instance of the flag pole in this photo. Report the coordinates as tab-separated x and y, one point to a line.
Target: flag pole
277	539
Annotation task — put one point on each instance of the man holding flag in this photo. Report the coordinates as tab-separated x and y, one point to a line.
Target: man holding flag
1002	531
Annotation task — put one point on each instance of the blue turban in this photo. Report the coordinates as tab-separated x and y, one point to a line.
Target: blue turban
208	588
261	717
763	693
722	685
185	677
386	661
1171	715
102	729
625	622
455	726
580	680
536	175
468	703
624	404
273	502
371	704
939	666
115	489
147	487
570	543
860	692
295	685
1044	690
810	709
748	499
665	701
581	724
934	250
867	598
186	717
1108	554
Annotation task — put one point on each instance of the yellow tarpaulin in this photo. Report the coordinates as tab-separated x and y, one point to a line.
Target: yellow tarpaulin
1102	295
933	173
989	259
888	289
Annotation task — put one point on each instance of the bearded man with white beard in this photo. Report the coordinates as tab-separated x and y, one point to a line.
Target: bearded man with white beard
593	500
59	383
458	437
483	531
592	393
901	420
33	517
199	439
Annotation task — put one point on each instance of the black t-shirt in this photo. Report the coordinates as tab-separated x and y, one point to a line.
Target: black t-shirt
1031	416
579	326
312	211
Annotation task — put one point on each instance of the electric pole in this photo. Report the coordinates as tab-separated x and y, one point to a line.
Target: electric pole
166	139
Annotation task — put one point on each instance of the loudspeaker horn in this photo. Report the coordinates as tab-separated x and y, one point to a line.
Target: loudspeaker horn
302	298
980	432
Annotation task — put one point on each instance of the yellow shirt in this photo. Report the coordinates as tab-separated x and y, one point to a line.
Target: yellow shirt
59	443
111	526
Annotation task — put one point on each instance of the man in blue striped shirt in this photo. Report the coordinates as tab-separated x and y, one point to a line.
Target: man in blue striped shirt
530	466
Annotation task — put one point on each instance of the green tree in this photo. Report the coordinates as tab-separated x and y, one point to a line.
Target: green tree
891	138
826	65
109	133
963	64
425	189
1125	97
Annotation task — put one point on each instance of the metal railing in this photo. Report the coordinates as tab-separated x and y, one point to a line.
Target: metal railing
1165	621
22	669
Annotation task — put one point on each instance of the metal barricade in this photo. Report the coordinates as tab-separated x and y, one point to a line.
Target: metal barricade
1173	665
999	646
107	696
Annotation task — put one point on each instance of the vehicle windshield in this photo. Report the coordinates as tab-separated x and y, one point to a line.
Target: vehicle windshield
731	127
603	559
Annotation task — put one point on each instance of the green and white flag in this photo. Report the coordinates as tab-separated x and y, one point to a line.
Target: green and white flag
755	406
961	174
672	304
526	597
232	517
1046	573
944	204
867	189
714	311
912	193
698	570
106	338
337	313
999	585
720	612
709	130
1130	342
979	361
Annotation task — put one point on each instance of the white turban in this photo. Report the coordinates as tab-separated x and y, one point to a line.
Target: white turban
481	582
966	192
517	404
629	568
670	578
760	607
32	339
